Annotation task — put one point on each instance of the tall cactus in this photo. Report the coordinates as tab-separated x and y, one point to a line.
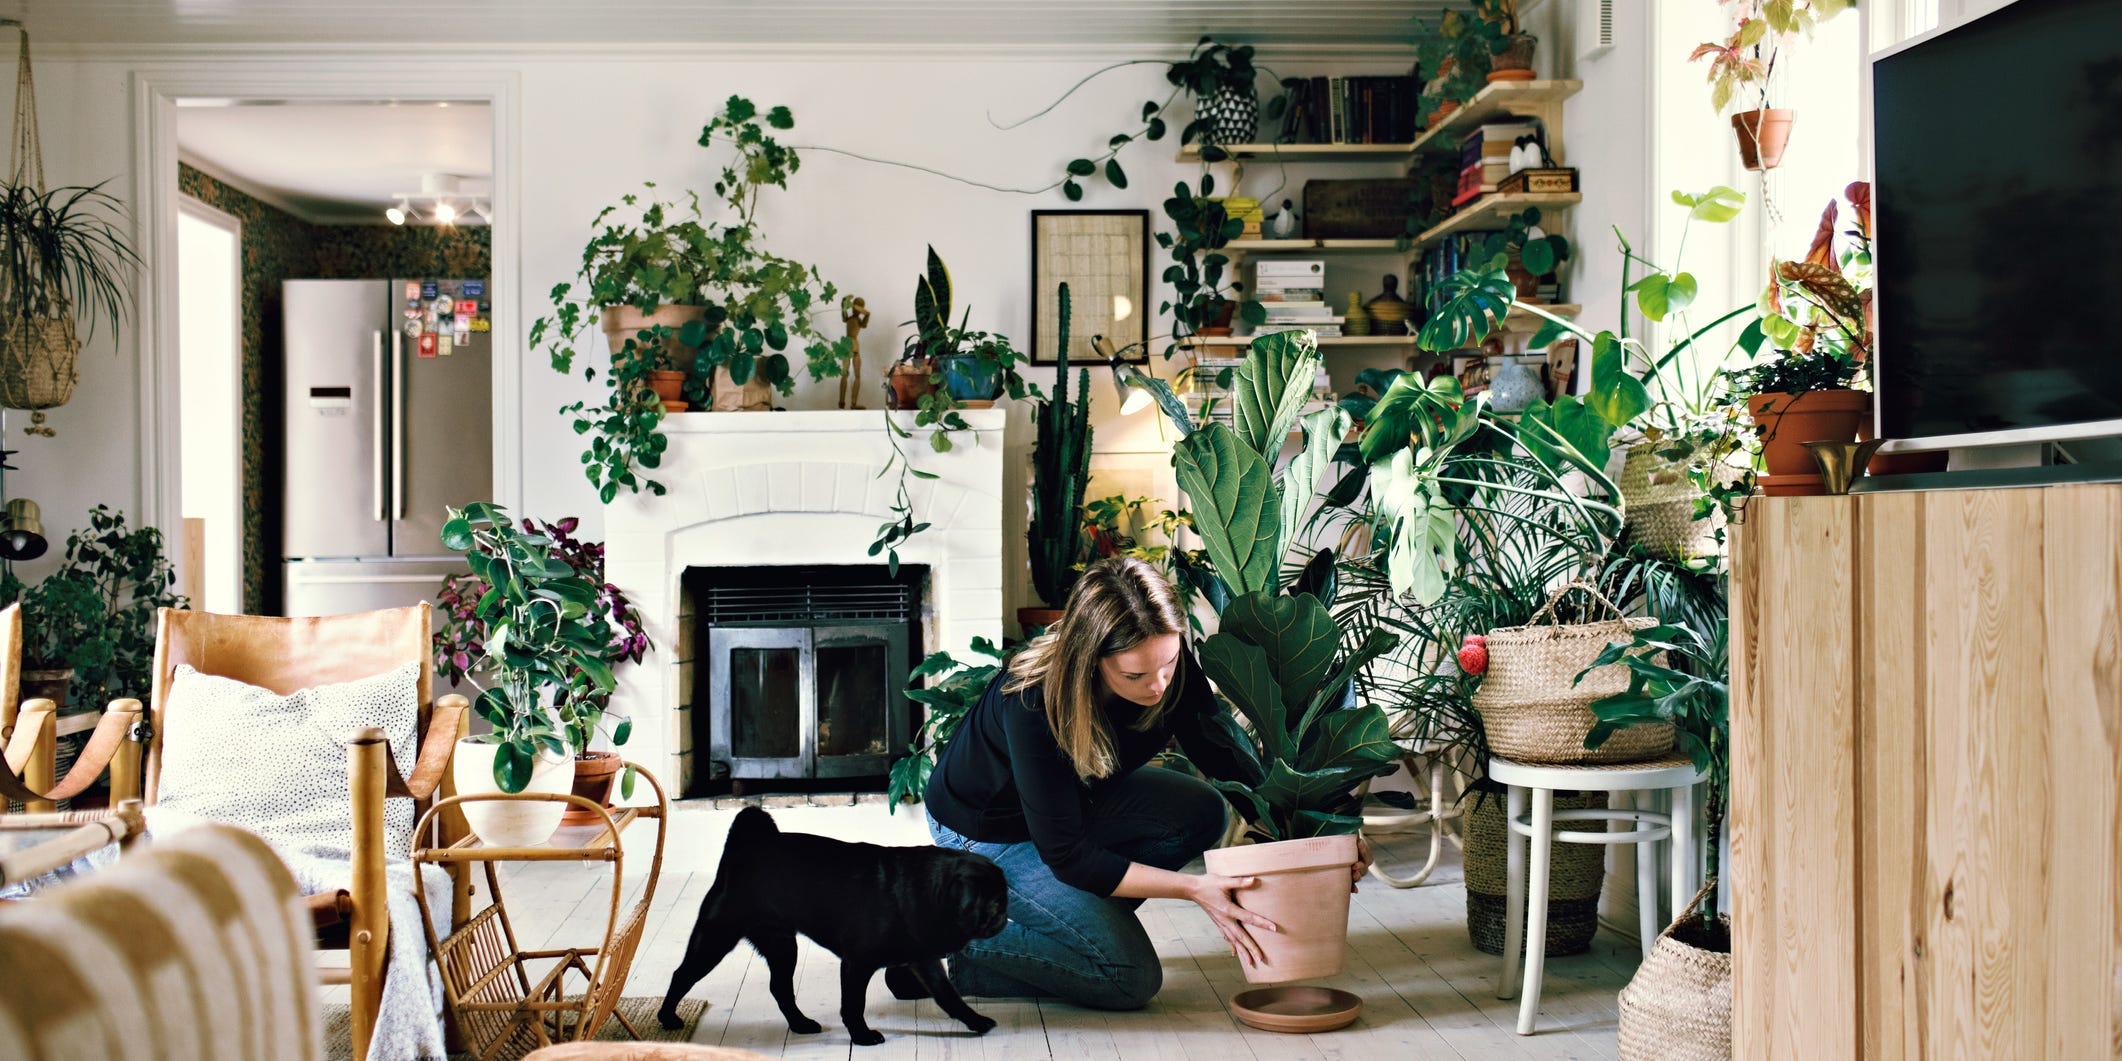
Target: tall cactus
1060	468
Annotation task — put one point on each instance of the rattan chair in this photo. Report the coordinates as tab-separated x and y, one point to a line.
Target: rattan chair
286	655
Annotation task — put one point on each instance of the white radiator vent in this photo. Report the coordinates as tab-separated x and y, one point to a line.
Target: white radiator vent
1595	28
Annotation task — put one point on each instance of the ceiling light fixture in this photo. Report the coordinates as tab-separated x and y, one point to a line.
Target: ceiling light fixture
400	212
445	213
450	199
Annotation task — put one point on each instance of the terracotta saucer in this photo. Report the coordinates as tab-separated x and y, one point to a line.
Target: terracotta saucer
1296	1008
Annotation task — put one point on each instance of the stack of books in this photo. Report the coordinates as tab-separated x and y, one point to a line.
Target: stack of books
1246	210
1484	157
1316	318
1290	282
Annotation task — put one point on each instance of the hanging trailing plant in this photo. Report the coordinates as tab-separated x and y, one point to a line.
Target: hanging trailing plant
1200	272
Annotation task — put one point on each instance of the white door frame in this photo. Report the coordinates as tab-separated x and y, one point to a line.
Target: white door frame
222	219
156	88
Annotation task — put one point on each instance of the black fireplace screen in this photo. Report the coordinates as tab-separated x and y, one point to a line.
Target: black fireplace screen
805	669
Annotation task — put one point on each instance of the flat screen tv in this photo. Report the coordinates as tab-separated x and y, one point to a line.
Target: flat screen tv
1998	199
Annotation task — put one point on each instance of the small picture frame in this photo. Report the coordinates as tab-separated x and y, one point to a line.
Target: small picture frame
1103	257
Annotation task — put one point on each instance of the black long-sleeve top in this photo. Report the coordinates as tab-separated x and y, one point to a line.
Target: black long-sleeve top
1003	778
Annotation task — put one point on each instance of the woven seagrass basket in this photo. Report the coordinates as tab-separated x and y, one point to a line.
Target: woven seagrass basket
1678	1005
1533	709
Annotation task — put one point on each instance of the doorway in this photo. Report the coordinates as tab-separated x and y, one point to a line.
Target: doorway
209	352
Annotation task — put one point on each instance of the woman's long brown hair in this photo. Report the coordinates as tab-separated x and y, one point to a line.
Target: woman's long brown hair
1119	603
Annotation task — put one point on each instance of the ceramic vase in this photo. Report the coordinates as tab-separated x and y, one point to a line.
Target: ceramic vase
510	823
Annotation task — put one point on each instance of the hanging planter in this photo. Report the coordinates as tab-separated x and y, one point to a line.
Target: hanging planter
1232	114
60	256
1763	134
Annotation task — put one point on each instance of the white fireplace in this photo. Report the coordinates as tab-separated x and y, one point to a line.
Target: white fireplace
794	489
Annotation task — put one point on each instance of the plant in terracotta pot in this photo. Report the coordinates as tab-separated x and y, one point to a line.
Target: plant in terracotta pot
1743	68
678	291
939	370
545	644
1457	57
460	645
1281	661
1510	46
1531	254
1206	299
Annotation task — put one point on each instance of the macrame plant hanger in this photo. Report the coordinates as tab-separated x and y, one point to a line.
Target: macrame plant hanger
38	345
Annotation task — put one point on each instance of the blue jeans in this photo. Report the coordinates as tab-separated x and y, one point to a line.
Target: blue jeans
1064	942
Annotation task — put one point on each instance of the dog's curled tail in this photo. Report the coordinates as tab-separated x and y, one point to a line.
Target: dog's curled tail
752	824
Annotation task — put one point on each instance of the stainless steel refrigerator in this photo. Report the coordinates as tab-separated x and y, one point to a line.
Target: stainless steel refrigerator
389	417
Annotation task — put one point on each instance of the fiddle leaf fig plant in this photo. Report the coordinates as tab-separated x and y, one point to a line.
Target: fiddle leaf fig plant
546	644
1279	659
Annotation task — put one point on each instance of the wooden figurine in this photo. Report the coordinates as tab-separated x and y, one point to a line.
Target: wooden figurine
855	314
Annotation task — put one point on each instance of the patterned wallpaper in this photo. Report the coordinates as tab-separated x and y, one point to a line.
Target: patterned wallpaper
279	246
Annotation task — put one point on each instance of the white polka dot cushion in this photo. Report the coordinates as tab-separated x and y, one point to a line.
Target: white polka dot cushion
276	765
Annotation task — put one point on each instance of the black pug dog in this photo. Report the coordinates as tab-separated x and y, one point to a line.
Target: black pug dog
900	909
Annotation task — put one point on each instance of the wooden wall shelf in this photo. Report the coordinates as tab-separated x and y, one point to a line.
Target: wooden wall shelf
1306	152
1503	99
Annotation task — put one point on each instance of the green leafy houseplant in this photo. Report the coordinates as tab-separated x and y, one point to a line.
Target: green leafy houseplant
1204	288
1690	690
1760	31
934	340
1279	658
62	257
545	645
944	704
95	614
1060	470
754	305
460	642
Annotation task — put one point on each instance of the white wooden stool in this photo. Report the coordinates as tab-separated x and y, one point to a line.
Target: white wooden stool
1437	814
1673	773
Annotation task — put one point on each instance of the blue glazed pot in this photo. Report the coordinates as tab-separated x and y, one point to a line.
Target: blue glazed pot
971	378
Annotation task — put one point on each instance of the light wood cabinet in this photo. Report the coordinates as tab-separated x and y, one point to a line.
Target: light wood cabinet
1926	815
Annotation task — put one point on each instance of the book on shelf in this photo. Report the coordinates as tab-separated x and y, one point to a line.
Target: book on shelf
1311	268
1277	314
1275	300
1273	293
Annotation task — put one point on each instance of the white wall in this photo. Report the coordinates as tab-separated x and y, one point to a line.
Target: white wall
594	128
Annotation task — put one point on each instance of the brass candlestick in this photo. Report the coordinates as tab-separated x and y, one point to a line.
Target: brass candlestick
1842	463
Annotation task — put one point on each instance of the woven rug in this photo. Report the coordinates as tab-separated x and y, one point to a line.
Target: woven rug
640	1010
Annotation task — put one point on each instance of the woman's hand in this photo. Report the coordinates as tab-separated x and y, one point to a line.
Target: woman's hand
1213	894
1362	862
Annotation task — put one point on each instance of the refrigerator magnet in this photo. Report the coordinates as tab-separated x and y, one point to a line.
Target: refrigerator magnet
414	326
442	343
443	305
481	324
412	290
428	289
474	289
428	344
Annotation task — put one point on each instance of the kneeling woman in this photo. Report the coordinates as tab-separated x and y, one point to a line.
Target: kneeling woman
1047	776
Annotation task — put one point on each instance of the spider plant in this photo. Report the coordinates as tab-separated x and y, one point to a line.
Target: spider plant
61	253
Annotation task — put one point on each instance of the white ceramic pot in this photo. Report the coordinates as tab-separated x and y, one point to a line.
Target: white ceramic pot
1303	888
510	823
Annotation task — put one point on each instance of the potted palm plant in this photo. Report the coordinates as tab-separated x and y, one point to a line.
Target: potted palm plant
544	649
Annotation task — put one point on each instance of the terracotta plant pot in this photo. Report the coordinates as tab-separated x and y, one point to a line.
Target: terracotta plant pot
1788	422
1220	325
1444	110
594	774
1515	61
754	395
1303	888
669	385
510	823
1763	134
908	382
676	406
1039	618
621	323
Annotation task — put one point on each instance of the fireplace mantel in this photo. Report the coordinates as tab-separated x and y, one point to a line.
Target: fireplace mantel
787	488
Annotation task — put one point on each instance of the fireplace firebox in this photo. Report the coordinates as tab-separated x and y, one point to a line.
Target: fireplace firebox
804	676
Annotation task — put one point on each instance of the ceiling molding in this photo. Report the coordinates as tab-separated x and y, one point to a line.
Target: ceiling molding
481	54
265	195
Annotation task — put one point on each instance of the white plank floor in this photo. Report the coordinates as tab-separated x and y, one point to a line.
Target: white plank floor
1427	993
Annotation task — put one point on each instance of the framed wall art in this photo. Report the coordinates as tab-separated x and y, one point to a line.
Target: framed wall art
1103	257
